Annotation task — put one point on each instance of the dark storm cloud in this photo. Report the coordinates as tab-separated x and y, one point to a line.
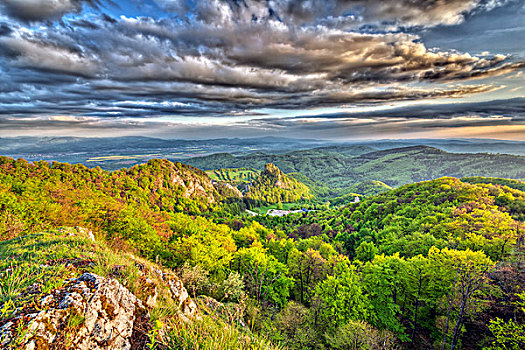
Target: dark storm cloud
40	10
5	29
505	116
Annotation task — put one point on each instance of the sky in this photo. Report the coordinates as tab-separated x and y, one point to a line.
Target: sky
326	69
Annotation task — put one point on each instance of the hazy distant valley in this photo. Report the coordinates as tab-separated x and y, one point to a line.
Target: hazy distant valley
331	169
118	152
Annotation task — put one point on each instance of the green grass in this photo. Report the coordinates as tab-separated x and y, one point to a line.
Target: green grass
211	333
34	265
74	320
36	262
43	262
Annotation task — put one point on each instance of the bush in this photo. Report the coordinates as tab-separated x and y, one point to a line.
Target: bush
195	279
359	335
293	323
233	287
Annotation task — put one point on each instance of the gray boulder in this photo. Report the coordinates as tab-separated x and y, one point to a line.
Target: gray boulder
89	313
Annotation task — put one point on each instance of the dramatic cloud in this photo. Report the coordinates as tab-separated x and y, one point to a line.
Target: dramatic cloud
230	58
257	65
403	12
39	10
504	119
45	56
512	108
501	119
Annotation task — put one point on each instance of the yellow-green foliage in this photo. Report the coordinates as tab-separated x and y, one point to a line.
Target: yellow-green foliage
274	186
410	220
48	259
509	335
235	176
420	263
141	208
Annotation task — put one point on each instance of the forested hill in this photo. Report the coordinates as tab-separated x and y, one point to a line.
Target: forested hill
38	195
273	186
429	265
411	219
400	239
338	167
516	184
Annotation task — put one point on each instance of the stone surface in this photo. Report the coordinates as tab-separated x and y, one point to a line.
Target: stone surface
5	334
188	308
152	295
86	232
90	312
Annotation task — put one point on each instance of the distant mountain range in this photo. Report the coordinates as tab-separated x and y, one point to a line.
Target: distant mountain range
117	152
64	145
328	167
340	168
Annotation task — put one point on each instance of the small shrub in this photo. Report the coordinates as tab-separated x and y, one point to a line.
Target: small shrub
75	320
195	279
359	335
233	287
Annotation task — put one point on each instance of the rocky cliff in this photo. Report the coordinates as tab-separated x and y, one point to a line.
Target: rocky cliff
189	181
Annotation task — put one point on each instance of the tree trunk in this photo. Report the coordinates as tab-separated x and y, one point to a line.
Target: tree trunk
449	309
417	307
458	323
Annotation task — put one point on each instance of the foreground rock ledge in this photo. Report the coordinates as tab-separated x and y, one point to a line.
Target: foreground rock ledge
90	312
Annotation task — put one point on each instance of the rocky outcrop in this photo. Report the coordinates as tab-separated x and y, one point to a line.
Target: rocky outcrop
227	190
151	299
273	186
77	231
271	170
189	181
90	312
187	308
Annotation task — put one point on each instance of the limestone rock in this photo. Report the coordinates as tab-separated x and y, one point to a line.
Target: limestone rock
90	312
152	295
188	308
227	190
77	231
86	232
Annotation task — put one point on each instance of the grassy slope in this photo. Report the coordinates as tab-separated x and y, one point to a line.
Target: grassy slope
35	264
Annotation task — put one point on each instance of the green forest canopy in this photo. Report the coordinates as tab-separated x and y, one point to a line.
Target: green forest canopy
431	263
